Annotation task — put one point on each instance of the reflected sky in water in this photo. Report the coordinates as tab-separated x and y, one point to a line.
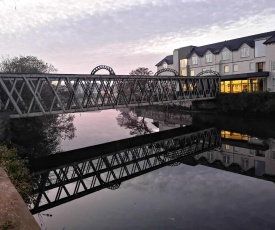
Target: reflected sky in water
180	197
95	128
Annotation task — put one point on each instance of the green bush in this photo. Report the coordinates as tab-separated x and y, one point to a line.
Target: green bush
17	171
258	102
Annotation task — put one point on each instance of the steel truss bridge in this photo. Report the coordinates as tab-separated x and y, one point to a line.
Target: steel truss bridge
28	95
64	177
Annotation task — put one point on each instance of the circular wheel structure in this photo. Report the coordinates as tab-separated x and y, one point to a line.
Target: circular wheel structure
167	70
114	186
111	71
211	72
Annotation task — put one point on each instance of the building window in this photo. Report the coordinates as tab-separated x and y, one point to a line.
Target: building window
225	55
210	156
235	149
273	155
183	67
227	147
226	69
208	58
235	86
245	163
235	68
192	72
165	65
212	68
203	70
245	52
226	159
194	60
251	66
273	65
252	152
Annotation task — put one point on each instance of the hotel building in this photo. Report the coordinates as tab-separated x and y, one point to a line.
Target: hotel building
245	64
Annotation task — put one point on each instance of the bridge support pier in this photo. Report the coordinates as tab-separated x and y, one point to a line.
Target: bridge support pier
4	126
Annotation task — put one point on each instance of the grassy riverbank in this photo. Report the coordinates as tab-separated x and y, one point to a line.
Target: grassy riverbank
252	103
17	171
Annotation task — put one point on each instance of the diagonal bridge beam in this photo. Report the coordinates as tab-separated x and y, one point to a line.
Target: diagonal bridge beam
29	95
73	174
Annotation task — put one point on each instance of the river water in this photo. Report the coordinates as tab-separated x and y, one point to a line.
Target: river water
230	187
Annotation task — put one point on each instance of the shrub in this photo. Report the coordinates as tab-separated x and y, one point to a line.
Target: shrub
17	172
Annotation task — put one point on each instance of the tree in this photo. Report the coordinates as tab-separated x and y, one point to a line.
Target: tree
37	135
25	64
130	120
141	71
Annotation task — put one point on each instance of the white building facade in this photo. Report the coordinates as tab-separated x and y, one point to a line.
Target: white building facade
245	64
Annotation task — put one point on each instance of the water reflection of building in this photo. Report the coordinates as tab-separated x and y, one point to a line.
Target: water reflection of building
164	120
241	154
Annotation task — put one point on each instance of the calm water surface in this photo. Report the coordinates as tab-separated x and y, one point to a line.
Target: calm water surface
172	197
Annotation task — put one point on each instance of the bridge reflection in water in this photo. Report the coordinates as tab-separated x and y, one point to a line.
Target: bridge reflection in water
64	177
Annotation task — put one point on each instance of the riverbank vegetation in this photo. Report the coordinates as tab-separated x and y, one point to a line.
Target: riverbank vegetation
256	102
17	172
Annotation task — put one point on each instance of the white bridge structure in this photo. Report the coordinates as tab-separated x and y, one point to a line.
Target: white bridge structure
28	95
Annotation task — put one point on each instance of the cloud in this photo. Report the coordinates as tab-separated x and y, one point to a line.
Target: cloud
72	33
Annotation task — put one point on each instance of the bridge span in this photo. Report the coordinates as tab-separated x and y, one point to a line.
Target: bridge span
28	95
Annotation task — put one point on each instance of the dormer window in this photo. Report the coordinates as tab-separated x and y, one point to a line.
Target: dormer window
245	52
225	55
164	65
208	58
194	60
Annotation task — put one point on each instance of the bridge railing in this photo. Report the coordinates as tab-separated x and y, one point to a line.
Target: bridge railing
67	176
26	95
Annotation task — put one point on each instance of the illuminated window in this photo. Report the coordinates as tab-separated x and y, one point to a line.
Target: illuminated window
235	68
245	52
226	69
194	60
192	72
203	70
251	66
183	67
208	58
165	65
226	159
225	55
227	147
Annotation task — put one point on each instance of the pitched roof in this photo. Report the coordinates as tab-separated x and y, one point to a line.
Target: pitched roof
167	59
270	40
233	44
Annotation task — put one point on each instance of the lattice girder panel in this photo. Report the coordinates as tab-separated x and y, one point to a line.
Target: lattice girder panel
26	95
77	179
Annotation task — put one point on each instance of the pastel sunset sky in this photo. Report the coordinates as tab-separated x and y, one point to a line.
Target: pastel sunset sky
75	36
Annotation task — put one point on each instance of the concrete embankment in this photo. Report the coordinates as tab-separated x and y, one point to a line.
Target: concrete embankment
14	213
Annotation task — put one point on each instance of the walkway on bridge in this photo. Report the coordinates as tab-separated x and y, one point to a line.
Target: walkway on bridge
28	95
